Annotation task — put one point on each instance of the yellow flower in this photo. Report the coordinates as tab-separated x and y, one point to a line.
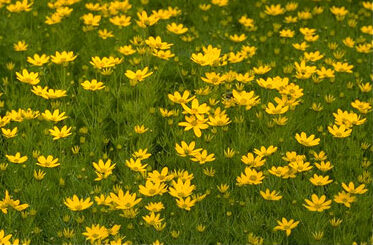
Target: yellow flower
140	129
195	122
9	202
38	60
320	180
203	157
124	201
184	149
181	189
56	116
307	141
137	76
363	107
31	78
63	57
152	188
186	203
274	10
39	175
105	34
91	20
103	170
318	204
136	165
96	233
92	85
48	162
154	207
270	195
324	166
153	219
9	133
339	132
344	198
263	152
250	177
177	29
285	225
350	188
20	46
60	133
76	204
17	158
121	20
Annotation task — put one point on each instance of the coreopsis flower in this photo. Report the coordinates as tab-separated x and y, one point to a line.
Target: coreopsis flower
56	93
263	151
103	169
105	62
17	158
185	149
162	176
105	34
274	9
300	166
250	177
126	50
287	33
140	129
176	97
276	110
195	122
163	54
137	76
136	165
153	219
91	20
307	141
92	85
270	195
20	6
238	38
350	188
203	157
303	71
48	162
76	204
141	154
186	203
324	166
344	198
342	67
55	117
121	20
31	78
63	57
20	46
320	180
39	175
156	43
285	225
96	233
60	133
9	133
253	161
154	207
8	202
38	60
145	20
181	189
152	188
363	107
339	131
124	201
318	204
177	29
247	99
